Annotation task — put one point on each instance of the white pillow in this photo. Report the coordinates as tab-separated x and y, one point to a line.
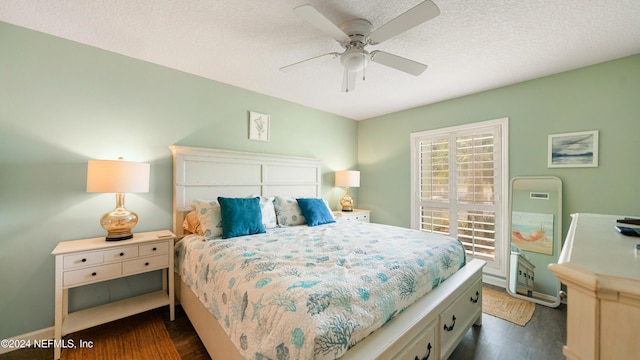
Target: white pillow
210	217
269	220
288	212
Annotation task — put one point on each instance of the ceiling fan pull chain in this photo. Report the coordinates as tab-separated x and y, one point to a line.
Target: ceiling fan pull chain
346	80
364	61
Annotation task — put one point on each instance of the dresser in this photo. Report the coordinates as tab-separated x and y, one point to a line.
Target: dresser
88	261
355	215
601	270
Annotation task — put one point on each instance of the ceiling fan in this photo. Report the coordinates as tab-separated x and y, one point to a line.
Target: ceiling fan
355	35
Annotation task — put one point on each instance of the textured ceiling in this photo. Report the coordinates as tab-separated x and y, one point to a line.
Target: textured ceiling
472	46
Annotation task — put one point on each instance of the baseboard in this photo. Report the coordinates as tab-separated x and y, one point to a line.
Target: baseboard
494	280
501	282
28	338
544	297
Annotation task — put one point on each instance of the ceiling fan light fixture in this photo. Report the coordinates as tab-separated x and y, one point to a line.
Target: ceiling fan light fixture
355	59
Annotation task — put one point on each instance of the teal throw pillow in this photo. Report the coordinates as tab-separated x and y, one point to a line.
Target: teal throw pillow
315	211
240	216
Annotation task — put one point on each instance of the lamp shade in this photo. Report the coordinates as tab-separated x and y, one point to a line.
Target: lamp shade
349	178
117	176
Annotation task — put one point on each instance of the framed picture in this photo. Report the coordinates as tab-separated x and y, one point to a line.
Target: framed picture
259	126
577	149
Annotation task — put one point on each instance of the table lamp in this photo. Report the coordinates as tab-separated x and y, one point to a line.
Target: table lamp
347	178
119	177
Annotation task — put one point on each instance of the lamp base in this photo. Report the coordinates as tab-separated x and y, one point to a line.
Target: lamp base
118	236
119	221
346	202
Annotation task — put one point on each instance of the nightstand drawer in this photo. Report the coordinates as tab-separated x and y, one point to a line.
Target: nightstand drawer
146	264
120	253
92	274
355	215
364	217
82	259
153	249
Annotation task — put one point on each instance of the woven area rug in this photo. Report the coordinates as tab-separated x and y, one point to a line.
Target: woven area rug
141	336
506	307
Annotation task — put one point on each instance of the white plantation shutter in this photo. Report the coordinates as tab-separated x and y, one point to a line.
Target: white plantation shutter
457	180
434	184
476	173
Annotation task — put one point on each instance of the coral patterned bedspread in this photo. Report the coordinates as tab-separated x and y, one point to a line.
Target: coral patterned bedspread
313	292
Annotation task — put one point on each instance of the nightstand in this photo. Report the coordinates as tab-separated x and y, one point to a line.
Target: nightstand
89	261
355	215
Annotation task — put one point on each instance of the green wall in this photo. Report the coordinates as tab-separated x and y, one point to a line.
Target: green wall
63	103
604	97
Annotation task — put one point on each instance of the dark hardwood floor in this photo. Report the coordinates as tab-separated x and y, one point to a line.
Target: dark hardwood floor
180	331
541	339
184	336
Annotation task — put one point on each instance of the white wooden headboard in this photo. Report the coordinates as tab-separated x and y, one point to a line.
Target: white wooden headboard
202	173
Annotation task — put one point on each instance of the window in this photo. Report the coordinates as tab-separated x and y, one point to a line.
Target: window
460	187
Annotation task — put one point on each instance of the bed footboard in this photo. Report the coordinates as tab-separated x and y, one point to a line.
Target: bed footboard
434	325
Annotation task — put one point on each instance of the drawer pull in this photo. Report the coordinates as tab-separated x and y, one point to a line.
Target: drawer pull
146	264
84	260
476	299
121	254
154	249
449	328
428	354
94	273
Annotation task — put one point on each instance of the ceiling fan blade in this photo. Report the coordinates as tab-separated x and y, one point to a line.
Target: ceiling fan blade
349	81
420	13
398	62
315	18
316	59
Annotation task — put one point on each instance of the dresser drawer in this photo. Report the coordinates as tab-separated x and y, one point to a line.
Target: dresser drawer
82	259
455	319
154	249
145	264
422	346
91	274
120	253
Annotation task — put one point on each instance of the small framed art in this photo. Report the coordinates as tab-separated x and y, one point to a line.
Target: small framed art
259	126
576	149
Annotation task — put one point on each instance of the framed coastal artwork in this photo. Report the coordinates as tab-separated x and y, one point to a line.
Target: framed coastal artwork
532	231
259	126
576	149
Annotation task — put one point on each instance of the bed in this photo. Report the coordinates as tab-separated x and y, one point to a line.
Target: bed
305	289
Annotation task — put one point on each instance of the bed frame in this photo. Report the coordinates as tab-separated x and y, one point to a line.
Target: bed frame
430	328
